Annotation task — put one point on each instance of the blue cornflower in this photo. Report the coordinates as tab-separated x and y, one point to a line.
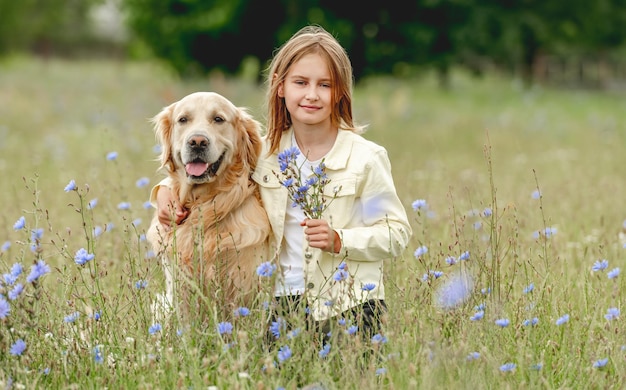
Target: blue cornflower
71	186
503	322
529	288
111	156
437	274
473	356
478	315
141	284
16	269
97	231
9	279
368	287
288	182
286	157
341	321
242	312
507	367
419	204
487	212
97	315
284	353
19	224
147	205
352	329
536	194
420	251
72	317
37	270
277	326
532	322
136	222
342	265
600	265
482	306
293	333
36	234
312	181
319	170
477	225
224	328
614	273
612	313
5	308
451	260
485	291
155	328
266	269
601	363
324	351
18	348
82	256
340	275
563	319
381	371
16	291
123	206
98	358
92	204
142	182
5	247
379	339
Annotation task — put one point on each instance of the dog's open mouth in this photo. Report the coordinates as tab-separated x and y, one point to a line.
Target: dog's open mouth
199	168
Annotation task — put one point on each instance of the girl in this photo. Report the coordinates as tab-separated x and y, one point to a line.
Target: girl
331	266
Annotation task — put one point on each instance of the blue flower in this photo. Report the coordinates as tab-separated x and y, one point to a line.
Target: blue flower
437	274
532	322
37	270
5	246
340	275
368	287
97	231
381	371
420	251
601	363
477	316
71	186
503	322
9	279
97	315
92	204
242	312
225	328
266	269
487	212
324	351
284	353
154	328
352	329
419	204
36	234
563	319
612	313
293	333
111	156
141	284
507	367
82	256
97	355
536	194
277	326
456	290
123	206
379	339
136	222
16	291
18	348
614	273
473	356
142	182
451	260
72	317
16	269
147	205
529	288
5	308
600	265
19	224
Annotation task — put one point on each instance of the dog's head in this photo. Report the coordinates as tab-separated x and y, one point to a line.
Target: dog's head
207	135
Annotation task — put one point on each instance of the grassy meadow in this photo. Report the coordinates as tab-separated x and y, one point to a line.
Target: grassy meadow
511	280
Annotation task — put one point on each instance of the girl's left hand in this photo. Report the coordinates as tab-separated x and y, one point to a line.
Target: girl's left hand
319	234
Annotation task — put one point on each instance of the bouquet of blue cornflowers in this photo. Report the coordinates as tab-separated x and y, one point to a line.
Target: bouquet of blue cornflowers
305	192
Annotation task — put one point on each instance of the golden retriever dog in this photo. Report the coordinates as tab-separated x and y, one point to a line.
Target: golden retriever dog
209	151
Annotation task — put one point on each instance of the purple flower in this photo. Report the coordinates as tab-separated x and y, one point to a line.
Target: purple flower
71	186
18	348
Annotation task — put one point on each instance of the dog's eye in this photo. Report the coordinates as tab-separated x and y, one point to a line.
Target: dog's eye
182	119
219	119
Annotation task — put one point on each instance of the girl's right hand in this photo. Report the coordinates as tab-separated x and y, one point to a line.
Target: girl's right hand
169	210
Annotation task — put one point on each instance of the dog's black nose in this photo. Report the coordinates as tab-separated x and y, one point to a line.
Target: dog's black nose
198	141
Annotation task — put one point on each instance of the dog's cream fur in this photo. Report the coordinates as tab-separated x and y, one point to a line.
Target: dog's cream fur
209	149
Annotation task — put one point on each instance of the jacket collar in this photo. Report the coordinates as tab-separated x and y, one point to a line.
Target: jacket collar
337	157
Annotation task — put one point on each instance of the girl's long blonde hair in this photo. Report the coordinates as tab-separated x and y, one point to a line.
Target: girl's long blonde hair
310	39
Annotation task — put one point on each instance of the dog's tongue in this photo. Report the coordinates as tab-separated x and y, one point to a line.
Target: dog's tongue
196	168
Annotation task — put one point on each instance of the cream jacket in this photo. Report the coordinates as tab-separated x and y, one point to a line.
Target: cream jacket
363	208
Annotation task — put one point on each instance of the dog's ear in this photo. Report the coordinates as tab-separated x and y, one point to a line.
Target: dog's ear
251	138
163	123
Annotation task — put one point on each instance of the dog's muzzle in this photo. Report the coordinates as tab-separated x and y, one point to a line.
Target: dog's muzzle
197	159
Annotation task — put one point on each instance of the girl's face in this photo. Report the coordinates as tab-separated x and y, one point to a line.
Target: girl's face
307	91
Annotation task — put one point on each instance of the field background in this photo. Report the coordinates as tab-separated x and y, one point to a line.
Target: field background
483	144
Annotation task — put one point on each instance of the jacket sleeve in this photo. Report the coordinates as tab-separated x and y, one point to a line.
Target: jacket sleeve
385	230
153	194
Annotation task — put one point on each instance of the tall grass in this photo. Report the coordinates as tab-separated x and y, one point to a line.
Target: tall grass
503	285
